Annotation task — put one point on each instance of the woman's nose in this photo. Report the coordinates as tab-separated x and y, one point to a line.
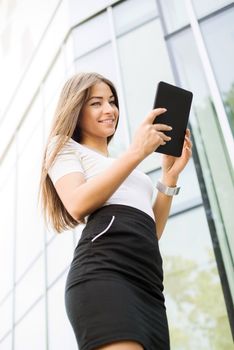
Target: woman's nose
108	107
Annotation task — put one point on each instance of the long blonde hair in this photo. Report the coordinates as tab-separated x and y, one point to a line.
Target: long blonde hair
73	96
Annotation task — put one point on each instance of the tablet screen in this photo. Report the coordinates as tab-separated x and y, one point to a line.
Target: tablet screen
178	102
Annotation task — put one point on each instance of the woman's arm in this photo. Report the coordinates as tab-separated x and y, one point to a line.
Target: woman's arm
171	168
81	197
162	206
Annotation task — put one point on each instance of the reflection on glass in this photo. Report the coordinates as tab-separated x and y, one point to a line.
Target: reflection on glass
32	121
191	232
30	288
6	316
30	331
79	11
29	242
195	305
174	14
203	8
69	53
55	79
59	255
91	34
61	335
218	36
19	38
101	61
7	210
190	194
141	12
210	146
6	343
206	129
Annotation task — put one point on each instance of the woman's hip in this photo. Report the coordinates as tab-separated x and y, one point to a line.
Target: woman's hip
119	242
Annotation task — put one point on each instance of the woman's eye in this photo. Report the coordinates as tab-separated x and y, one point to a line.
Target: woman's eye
112	102
95	104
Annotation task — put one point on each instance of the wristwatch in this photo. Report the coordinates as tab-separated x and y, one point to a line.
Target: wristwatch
169	191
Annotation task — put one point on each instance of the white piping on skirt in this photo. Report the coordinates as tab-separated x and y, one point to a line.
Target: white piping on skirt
106	229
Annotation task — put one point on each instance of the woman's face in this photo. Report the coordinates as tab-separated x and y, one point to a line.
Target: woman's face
99	114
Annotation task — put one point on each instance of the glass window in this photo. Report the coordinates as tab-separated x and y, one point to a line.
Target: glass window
6	343
174	14
55	79
189	194
142	68
141	12
218	33
91	34
30	288
102	61
59	255
8	163
30	123
195	304
206	7
69	53
7	217
30	331
210	145
61	335
29	242
191	232
78	11
20	41
6	316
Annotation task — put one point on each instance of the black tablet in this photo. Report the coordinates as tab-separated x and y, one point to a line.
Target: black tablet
178	102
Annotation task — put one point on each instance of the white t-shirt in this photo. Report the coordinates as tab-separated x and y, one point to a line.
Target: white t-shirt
136	190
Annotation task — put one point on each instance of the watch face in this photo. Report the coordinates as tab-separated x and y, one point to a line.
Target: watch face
170	191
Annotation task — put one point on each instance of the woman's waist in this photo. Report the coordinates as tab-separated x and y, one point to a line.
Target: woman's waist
120	223
124	211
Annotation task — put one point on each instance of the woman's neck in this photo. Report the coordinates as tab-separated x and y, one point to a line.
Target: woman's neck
101	148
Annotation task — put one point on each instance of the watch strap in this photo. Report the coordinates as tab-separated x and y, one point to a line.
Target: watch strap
169	191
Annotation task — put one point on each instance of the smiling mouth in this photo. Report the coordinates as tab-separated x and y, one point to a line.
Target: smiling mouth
107	121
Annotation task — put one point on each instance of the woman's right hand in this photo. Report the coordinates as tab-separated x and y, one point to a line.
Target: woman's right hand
148	136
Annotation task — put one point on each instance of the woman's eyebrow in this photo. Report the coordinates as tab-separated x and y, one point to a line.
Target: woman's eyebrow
100	97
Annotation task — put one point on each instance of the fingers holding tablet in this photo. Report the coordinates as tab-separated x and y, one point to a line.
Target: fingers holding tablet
187	141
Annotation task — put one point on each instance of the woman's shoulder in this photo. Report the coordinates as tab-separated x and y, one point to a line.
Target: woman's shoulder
69	143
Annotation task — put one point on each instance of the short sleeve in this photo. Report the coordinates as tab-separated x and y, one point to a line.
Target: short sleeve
67	161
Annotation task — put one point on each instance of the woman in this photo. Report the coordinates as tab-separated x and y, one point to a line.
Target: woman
114	289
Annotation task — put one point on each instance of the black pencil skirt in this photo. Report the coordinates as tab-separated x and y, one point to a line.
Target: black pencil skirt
114	287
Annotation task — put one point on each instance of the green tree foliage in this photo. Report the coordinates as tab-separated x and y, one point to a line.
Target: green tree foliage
196	310
229	106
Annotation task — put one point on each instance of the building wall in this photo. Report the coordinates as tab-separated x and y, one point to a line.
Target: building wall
135	44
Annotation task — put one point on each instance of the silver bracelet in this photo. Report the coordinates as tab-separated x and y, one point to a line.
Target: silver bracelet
169	191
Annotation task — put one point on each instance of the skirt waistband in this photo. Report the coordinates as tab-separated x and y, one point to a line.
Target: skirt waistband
122	209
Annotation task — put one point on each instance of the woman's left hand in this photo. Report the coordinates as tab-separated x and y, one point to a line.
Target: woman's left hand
173	166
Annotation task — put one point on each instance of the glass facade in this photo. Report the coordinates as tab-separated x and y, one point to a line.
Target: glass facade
135	44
